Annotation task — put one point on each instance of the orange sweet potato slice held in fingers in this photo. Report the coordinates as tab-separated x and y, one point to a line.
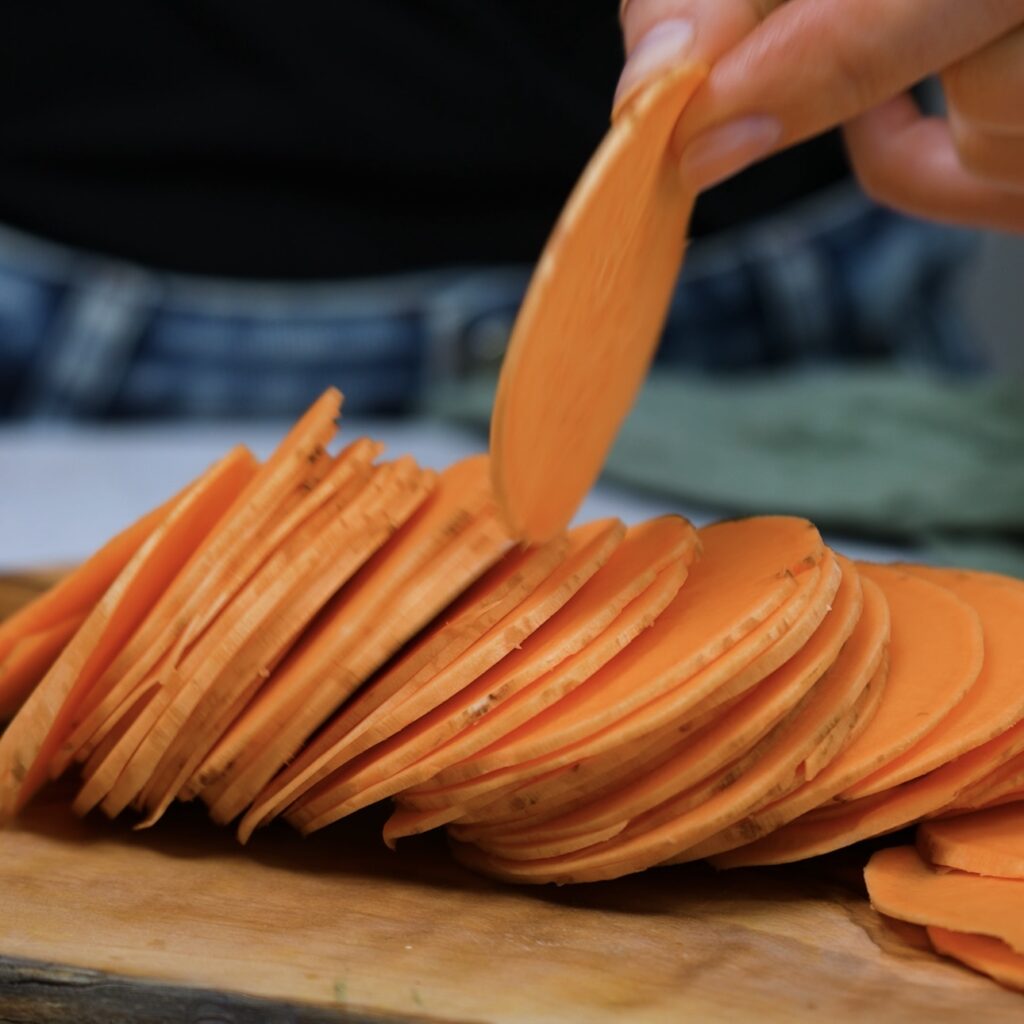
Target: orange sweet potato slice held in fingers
900	884
988	842
993	703
593	314
982	953
39	727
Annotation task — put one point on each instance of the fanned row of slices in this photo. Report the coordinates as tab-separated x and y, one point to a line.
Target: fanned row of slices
310	635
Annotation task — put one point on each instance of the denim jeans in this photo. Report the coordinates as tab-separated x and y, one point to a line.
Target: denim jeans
85	336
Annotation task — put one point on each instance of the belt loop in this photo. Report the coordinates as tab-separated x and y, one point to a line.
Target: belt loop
90	345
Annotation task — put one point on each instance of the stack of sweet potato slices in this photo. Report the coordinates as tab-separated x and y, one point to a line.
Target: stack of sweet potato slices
307	636
963	887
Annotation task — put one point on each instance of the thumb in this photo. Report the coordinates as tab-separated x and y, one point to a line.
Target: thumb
811	65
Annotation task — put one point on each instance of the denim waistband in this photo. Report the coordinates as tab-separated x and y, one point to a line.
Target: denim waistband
82	335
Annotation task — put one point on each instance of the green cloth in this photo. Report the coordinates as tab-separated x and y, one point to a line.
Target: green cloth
935	462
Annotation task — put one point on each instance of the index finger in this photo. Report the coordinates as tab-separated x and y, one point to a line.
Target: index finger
814	64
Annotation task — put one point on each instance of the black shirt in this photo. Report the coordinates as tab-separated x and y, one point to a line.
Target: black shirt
320	138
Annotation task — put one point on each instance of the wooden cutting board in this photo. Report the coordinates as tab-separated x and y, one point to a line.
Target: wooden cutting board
102	924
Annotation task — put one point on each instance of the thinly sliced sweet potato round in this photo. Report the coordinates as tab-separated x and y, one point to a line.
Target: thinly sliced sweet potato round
902	885
251	633
661	834
745	574
642	576
989	842
591	547
985	955
227	560
29	660
592	316
341	795
842	824
43	720
991	705
451	542
719	744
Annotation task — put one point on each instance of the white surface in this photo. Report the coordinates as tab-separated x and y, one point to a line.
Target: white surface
63	491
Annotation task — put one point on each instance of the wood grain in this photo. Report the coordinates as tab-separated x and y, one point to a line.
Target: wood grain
183	924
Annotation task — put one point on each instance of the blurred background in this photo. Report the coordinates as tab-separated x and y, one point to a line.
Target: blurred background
211	211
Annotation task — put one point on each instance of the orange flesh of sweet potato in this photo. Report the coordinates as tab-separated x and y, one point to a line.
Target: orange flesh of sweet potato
339	795
737	731
454	539
172	620
658	835
988	842
982	953
41	724
902	885
590	548
842	824
736	585
584	634
991	705
262	620
348	660
332	557
682	708
591	318
30	658
518	574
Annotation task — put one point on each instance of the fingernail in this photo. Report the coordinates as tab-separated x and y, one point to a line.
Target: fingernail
666	44
721	152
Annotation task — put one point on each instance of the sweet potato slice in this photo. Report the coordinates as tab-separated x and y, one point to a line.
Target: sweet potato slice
479	718
721	742
678	713
585	633
661	834
999	786
902	885
989	842
745	574
253	631
80	589
590	548
982	953
842	824
592	316
993	703
30	658
39	727
448	545
226	562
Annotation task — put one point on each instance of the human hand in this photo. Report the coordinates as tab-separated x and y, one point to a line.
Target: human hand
782	72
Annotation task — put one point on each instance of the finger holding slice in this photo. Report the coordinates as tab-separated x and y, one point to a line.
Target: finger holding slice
592	316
